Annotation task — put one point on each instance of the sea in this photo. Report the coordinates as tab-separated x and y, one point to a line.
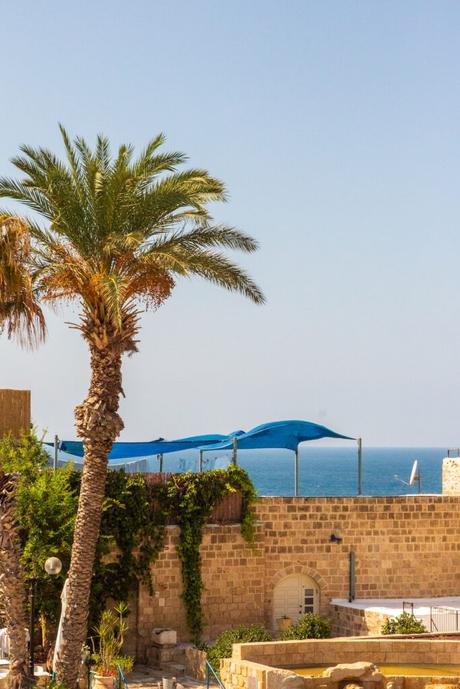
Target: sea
328	470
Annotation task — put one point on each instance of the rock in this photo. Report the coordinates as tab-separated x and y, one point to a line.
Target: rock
164	636
352	671
293	682
397	683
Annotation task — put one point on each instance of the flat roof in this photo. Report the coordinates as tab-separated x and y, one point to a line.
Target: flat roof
394	606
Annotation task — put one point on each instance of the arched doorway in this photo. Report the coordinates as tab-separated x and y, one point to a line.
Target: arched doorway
294	596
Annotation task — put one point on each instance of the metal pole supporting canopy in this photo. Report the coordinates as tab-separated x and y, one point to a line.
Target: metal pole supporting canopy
296	471
360	466
235	451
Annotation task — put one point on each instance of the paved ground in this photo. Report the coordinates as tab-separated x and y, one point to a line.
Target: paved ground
144	677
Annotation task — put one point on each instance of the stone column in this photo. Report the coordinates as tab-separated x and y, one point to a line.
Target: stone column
451	476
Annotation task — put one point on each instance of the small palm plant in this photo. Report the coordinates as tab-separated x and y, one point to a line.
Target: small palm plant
110	633
118	232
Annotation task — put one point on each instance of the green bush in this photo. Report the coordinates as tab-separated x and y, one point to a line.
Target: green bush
222	647
403	624
310	626
46	505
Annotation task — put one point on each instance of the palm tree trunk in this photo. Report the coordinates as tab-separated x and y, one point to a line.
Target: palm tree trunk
12	588
99	424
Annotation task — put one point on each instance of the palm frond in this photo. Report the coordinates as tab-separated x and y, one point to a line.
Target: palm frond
212	266
30	197
205	236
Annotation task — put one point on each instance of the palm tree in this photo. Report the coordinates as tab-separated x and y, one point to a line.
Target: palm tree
20	317
20	313
119	231
12	587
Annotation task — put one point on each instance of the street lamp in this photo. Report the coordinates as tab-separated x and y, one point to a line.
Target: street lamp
53	566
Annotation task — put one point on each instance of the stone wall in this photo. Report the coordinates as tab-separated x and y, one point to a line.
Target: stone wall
405	547
260	665
348	621
391	651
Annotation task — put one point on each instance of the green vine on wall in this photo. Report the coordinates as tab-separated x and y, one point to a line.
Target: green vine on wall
134	521
191	499
132	537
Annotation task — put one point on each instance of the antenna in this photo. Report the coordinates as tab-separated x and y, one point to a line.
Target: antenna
414	476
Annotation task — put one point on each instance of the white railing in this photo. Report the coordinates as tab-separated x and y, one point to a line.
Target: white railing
439	618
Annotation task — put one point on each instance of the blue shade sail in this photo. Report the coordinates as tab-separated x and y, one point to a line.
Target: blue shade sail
128	450
278	435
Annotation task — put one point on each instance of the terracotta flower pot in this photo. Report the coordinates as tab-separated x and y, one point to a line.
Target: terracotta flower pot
283	623
101	682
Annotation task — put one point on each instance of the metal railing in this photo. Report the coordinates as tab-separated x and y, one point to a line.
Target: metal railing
210	671
439	619
408	607
443	619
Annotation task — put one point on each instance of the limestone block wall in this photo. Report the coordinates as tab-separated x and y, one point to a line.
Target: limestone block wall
405	546
259	666
392	651
354	622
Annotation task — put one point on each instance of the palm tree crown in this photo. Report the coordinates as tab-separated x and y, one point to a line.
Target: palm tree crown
20	313
120	230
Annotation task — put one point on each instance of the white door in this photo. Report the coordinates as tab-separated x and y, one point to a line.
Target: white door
294	596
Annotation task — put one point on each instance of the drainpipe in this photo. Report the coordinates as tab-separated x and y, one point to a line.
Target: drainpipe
351	576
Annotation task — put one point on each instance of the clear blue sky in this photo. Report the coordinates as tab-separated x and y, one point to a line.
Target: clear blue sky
336	128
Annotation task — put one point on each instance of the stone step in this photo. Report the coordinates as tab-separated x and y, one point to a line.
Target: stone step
174	668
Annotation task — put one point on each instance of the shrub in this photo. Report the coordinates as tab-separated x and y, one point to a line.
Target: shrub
403	624
310	626
222	647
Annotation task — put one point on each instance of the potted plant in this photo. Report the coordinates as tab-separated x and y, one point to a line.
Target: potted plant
110	632
284	623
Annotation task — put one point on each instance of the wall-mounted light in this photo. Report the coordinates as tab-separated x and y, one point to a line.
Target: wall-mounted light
335	538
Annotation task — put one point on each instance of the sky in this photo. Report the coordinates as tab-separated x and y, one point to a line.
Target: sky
335	126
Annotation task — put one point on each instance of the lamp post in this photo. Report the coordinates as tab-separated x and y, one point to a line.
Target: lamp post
33	592
53	566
